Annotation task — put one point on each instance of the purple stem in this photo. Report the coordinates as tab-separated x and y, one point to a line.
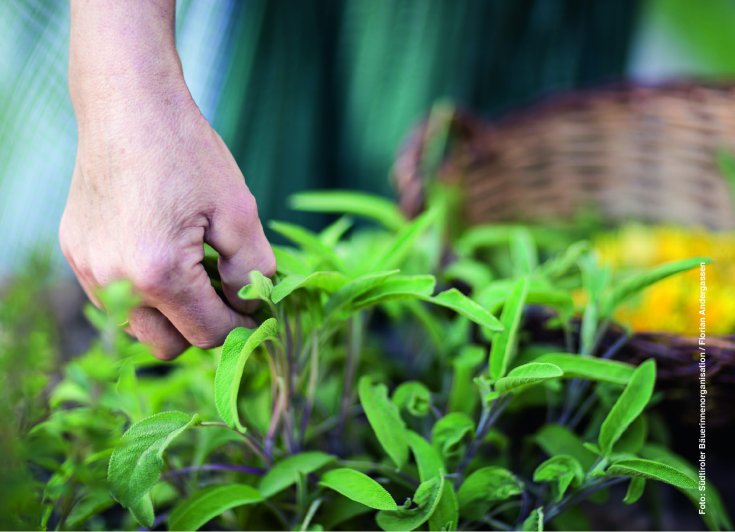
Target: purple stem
216	467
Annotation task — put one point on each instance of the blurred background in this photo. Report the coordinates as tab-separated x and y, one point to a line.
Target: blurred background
321	94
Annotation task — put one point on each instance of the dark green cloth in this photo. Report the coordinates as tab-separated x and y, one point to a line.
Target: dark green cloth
321	93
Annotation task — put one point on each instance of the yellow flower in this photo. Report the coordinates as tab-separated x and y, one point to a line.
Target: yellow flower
672	305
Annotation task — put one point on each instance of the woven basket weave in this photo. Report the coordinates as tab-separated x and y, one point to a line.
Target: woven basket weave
630	153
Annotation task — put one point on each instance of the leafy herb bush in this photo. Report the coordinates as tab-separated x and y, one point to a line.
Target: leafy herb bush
390	384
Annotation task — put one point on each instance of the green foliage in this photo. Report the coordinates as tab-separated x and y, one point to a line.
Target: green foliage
209	503
379	390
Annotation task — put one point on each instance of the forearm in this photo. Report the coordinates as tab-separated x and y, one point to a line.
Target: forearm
122	54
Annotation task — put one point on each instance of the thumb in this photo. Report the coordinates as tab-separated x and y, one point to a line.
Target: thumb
238	237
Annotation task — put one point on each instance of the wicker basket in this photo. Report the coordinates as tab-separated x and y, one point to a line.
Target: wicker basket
631	153
643	153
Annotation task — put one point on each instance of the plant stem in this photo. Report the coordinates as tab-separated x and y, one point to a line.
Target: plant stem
585	491
487	419
310	514
351	362
252	444
215	467
311	389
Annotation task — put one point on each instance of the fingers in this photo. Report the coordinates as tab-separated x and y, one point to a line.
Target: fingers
151	327
196	311
237	234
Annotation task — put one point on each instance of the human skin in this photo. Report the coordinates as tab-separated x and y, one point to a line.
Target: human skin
153	182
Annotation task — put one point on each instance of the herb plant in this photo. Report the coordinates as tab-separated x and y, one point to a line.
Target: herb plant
390	384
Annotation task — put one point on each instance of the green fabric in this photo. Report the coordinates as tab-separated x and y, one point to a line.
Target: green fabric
321	93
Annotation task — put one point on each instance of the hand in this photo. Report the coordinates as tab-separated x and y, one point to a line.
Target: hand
152	183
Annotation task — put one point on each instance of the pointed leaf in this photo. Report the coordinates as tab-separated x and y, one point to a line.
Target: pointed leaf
455	300
385	420
562	469
360	204
414	397
398	287
287	471
210	502
484	487
327	281
591	368
635	284
343	297
404	242
629	405
136	462
238	347
527	375
309	242
504	343
426	499
260	287
635	490
649	469
557	439
359	487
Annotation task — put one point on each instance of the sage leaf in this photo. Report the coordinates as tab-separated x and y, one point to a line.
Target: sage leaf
562	469
528	375
629	405
451	432
635	284
359	487
398	287
369	206
590	368
429	464
238	347
326	281
464	306
210	502
650	469
137	461
557	439
465	367
404	242
505	343
260	287
384	419
635	490
342	298
535	521
484	487
287	471
414	397
309	242
523	251
426	500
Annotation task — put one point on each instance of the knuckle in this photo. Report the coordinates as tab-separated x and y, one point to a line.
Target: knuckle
152	275
204	340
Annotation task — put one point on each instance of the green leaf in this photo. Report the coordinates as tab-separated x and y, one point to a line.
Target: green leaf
556	439
563	469
635	284
398	287
136	462
649	469
629	405
287	471
369	206
359	487
426	499
451	432
238	347
523	252
504	343
591	368
260	287
291	261
561	264
404	242
309	242
326	281
484	487
343	297
464	306
429	463
210	502
414	397
332	234
461	396
472	272
535	521
482	237
635	490
385	420
528	375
